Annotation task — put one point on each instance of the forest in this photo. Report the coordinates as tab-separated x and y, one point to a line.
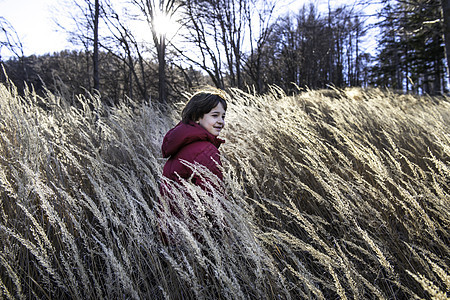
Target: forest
238	44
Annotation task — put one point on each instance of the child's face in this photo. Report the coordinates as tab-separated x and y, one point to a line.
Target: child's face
214	121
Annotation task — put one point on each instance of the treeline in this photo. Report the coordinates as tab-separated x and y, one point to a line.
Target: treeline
220	44
412	56
70	73
315	50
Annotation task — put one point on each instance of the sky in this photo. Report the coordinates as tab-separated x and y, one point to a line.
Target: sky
34	23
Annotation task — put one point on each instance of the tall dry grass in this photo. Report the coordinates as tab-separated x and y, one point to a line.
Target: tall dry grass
329	194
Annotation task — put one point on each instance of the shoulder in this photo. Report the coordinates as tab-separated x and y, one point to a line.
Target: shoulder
183	135
198	149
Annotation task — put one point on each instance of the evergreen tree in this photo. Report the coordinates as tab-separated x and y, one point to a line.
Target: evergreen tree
411	55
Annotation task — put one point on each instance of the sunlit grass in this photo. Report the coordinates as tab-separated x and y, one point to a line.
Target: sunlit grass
330	194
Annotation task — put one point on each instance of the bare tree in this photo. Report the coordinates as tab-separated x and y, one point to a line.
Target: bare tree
10	39
85	30
95	55
115	38
259	37
203	35
123	45
218	31
153	10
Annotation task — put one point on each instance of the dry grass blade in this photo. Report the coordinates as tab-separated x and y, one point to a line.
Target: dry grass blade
329	194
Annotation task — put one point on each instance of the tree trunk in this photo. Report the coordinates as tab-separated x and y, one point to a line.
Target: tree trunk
446	17
162	69
95	56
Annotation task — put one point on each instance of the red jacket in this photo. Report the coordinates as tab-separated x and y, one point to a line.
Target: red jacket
192	143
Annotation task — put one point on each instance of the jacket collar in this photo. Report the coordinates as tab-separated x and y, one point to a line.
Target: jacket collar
213	139
184	134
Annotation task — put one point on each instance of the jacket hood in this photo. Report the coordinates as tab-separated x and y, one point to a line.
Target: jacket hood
184	134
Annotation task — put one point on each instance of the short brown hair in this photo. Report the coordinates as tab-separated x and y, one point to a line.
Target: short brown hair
200	104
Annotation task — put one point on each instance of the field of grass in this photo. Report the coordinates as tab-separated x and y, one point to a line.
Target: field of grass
332	194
